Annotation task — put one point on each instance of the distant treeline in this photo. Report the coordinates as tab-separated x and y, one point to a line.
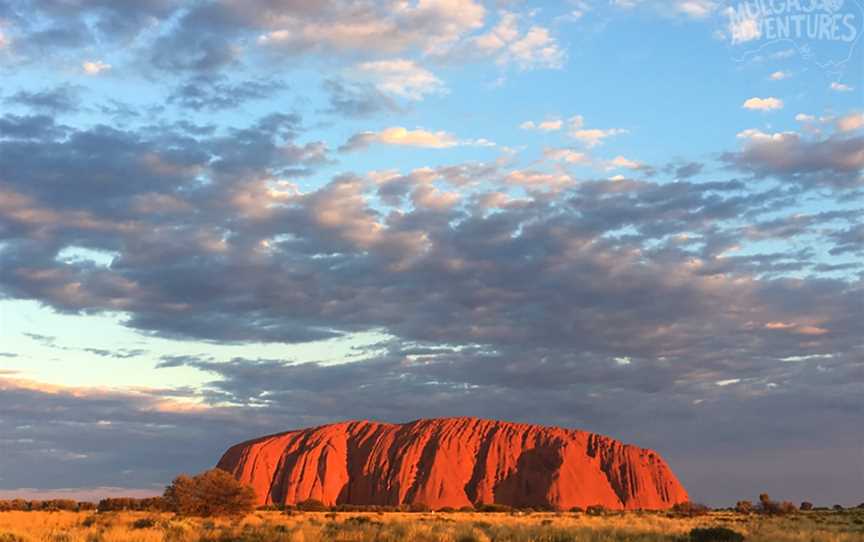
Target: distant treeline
149	504
23	505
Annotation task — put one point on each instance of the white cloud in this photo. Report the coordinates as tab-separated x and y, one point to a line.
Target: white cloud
538	180
567	155
95	67
501	34
432	26
595	136
397	135
841	87
576	122
756	135
803	117
696	9
692	9
4	41
429	197
779	76
851	122
552	125
536	49
401	77
622	162
763	104
590	137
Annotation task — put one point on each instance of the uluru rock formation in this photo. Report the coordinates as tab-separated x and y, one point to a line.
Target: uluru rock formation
453	462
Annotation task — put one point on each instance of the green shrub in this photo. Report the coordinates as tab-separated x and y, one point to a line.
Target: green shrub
715	534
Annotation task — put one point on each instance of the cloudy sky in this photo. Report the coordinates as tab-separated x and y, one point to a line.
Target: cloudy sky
226	218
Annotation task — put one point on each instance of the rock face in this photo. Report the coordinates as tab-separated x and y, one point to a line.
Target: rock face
453	462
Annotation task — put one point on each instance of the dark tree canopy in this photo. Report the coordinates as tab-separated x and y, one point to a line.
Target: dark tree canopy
210	493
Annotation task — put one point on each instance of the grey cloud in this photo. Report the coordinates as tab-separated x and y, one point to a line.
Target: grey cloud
214	94
834	162
684	170
122	353
848	241
29	127
357	142
85	438
59	99
43	28
356	100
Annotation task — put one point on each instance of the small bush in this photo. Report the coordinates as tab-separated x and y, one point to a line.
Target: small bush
494	508
690	509
596	510
312	505
117	504
715	534
9	537
806	506
744	507
418	507
144	523
774	508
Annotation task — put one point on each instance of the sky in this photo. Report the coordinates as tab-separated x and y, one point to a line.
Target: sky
221	219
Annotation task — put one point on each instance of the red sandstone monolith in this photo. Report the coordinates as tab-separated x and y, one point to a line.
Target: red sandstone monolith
453	462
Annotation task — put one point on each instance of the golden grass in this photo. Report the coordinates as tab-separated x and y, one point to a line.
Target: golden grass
446	527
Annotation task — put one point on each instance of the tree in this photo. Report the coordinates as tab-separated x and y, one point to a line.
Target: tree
774	508
806	505
690	509
210	493
744	507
